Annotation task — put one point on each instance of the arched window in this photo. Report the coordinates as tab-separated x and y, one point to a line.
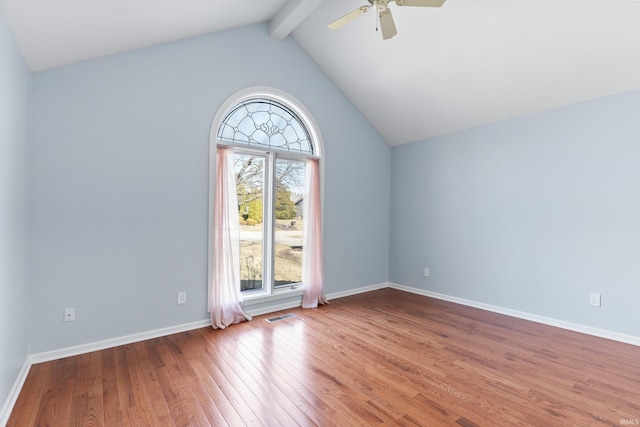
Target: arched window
265	124
272	137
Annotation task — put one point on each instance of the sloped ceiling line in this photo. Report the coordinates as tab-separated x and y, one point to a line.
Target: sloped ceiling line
290	16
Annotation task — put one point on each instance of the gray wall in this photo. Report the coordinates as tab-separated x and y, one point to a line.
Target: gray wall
120	158
15	84
530	214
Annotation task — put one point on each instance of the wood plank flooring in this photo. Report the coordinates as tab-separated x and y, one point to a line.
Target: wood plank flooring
381	358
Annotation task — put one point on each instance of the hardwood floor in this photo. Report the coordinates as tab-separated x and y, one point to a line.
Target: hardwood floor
381	358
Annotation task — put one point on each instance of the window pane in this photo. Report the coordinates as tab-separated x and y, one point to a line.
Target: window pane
265	123
289	182
250	187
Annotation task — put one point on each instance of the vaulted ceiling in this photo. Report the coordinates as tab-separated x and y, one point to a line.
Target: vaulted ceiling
468	63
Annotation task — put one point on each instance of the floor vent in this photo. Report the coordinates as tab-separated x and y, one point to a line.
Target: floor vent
278	318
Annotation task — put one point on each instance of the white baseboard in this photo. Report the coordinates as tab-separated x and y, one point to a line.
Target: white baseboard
297	303
13	393
602	333
272	308
356	291
114	342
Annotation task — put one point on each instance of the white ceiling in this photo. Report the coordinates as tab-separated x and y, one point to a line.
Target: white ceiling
469	63
57	32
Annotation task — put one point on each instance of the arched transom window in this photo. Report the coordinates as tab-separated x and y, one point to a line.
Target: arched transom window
267	124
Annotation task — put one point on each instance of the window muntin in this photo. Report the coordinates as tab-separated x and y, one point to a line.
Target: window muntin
267	124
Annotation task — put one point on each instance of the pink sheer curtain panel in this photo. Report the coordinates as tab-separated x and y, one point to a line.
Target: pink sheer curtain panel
224	300
312	268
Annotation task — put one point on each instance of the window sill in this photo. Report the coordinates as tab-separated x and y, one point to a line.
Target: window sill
277	295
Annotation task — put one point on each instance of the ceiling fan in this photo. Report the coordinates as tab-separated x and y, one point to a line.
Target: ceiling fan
387	25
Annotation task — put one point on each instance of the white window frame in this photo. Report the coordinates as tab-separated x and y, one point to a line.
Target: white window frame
269	293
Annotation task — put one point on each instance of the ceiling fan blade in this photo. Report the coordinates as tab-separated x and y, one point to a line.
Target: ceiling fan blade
387	25
420	3
338	23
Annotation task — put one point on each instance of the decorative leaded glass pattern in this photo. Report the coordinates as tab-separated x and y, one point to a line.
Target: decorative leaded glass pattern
265	123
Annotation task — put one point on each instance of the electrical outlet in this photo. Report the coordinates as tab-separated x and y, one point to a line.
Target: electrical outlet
595	300
426	272
69	314
182	297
